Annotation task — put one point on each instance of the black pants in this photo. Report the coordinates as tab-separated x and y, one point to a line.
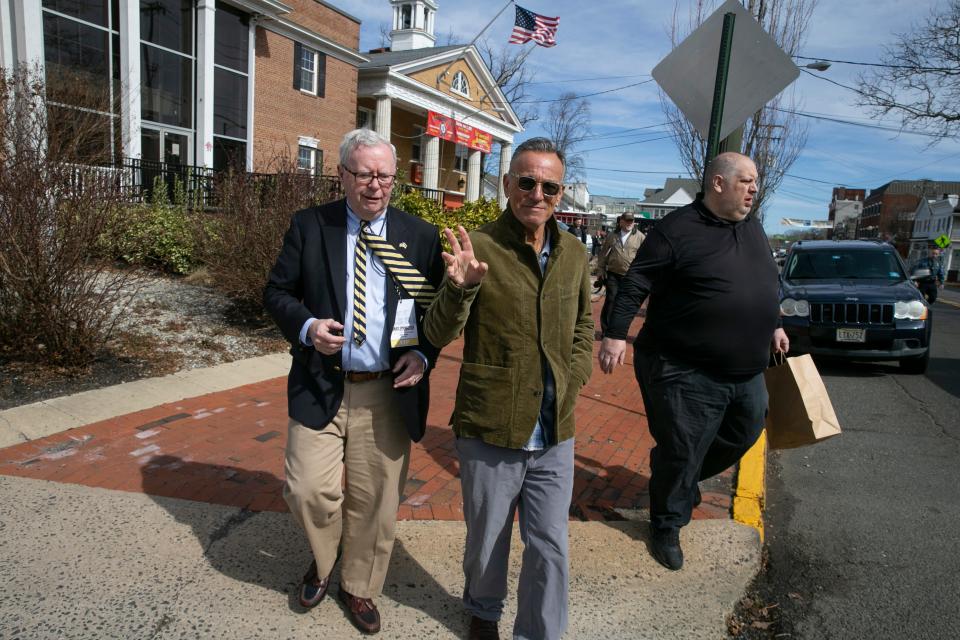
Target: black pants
613	285
702	425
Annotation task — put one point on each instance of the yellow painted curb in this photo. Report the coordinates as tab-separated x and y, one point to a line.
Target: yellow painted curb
751	486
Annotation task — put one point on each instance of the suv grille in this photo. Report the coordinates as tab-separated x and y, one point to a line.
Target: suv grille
850	313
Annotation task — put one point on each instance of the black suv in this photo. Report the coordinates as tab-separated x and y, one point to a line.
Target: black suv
853	299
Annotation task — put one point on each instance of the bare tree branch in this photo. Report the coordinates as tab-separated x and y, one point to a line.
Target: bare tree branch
922	84
568	126
509	71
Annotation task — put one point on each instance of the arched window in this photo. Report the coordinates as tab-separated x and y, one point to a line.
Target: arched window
460	84
406	17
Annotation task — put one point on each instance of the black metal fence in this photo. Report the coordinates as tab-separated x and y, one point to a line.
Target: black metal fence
139	180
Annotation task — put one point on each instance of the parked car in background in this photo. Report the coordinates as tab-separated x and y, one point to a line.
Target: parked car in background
853	299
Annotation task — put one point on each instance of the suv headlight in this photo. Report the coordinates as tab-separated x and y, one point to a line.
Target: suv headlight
913	310
791	307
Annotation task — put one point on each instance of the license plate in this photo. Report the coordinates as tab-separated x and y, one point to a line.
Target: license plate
851	335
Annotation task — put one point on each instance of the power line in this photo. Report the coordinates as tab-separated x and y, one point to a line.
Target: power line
625	144
877	64
858	124
665	173
636	75
585	95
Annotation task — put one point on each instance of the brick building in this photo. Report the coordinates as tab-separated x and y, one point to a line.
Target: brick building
846	206
198	82
888	210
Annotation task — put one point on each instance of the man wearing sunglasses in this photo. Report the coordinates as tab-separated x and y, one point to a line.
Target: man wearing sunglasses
358	389
519	290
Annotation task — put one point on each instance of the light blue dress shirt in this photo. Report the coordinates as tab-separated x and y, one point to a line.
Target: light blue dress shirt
368	356
540	439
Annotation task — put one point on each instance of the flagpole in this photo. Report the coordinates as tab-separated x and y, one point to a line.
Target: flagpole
475	38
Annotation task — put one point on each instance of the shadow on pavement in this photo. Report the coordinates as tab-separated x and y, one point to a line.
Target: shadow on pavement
943	373
268	549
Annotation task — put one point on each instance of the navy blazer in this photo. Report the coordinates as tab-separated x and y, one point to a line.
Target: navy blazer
309	279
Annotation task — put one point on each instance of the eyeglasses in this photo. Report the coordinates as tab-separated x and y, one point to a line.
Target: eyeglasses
364	178
526	183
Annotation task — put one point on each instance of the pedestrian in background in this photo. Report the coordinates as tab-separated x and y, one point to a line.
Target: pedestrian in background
712	320
616	255
519	290
358	389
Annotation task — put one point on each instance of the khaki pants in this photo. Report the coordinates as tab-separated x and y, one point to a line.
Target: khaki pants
368	442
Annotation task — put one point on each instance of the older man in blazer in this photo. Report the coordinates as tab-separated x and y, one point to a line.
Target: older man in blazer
349	291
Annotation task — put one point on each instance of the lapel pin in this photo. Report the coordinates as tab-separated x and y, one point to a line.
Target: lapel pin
403	245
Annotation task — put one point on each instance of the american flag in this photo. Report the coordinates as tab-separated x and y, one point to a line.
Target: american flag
533	26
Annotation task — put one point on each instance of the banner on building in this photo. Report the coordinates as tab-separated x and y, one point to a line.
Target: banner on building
447	128
814	224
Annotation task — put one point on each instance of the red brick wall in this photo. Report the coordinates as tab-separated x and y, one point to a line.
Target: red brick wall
282	113
325	21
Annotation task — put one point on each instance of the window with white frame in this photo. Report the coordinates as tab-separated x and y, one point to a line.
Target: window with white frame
309	157
460	157
416	146
366	118
460	84
309	70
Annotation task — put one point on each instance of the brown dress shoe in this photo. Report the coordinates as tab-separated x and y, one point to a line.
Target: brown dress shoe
363	613
313	588
481	629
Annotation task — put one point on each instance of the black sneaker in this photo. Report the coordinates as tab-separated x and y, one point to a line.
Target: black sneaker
481	629
665	547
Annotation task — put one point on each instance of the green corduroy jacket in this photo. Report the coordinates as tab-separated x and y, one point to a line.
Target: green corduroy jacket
508	320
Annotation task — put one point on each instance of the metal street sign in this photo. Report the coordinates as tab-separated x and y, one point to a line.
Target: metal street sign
759	70
943	242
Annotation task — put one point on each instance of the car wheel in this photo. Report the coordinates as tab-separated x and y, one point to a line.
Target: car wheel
916	365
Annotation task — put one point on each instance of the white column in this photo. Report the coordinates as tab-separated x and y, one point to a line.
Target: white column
206	19
7	61
431	163
383	116
506	150
251	88
473	176
27	23
130	107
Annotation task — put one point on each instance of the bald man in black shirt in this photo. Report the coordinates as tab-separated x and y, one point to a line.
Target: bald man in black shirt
712	320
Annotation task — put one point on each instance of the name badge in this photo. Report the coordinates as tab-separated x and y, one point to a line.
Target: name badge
404	332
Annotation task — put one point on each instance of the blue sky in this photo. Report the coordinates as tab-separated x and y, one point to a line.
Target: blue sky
603	46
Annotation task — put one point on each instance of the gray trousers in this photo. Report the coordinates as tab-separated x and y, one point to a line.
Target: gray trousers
496	482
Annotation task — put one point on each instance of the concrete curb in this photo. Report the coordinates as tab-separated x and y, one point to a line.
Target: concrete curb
44	418
748	500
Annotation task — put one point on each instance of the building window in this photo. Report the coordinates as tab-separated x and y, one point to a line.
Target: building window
366	118
460	157
167	62
406	16
309	160
416	146
230	80
309	70
82	74
460	84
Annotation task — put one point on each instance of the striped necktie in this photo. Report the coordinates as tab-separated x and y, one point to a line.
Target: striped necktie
360	288
406	275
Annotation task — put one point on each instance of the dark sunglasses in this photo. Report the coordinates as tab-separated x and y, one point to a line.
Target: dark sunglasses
526	183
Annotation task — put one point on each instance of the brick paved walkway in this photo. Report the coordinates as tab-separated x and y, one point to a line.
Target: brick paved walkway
227	448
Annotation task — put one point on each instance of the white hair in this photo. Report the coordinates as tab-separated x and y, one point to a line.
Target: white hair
363	138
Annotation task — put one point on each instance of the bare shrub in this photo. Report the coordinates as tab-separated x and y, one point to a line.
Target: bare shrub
58	302
241	243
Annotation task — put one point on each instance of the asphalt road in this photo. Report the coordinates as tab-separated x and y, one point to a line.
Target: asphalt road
862	530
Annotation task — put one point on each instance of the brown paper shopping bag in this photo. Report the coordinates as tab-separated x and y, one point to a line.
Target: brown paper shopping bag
800	411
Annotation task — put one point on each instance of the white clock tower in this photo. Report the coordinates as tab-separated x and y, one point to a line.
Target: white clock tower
413	24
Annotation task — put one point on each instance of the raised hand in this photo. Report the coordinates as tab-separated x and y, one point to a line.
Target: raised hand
463	269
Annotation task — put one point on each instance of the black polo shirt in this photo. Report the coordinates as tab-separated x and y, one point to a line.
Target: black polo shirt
713	290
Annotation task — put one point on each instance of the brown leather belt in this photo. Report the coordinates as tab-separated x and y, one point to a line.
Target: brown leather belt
365	376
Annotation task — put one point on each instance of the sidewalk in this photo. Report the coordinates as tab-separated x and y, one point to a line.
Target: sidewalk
191	466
